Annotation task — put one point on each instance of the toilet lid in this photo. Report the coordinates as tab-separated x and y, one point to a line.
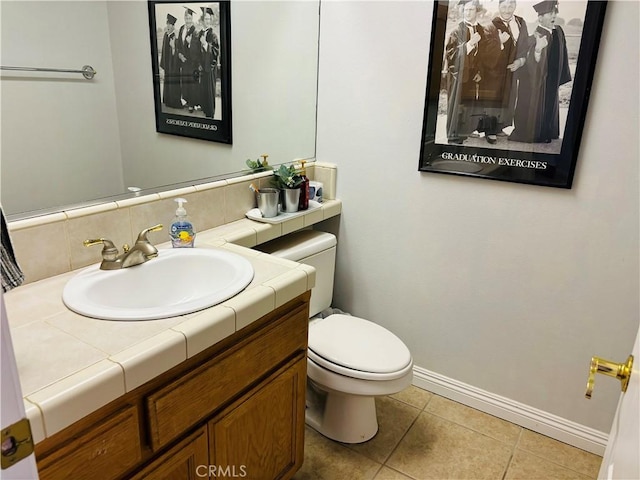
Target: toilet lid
357	344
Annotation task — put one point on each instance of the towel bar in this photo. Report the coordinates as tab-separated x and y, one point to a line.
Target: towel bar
87	71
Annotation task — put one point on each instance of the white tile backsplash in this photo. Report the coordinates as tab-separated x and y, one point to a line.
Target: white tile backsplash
52	244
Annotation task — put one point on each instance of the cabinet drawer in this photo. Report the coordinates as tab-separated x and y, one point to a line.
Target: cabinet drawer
193	397
106	451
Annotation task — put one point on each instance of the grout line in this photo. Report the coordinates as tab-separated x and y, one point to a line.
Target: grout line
513	451
393	450
400	472
546	459
473	429
377	471
506	470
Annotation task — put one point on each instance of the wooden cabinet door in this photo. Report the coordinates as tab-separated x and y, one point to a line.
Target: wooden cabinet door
104	451
188	460
190	399
262	435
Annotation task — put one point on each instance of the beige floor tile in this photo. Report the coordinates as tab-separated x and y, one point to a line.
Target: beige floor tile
525	466
560	453
446	441
387	473
394	419
328	460
435	448
489	425
414	396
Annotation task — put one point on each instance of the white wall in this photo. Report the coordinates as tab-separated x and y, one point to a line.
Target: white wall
506	287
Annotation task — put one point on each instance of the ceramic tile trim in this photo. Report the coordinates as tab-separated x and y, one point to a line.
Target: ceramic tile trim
31	230
207	328
288	286
77	395
151	357
249	233
35	419
248	308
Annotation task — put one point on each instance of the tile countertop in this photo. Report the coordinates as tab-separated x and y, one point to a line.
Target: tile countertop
70	365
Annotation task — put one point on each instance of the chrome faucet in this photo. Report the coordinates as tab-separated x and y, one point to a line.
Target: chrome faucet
141	251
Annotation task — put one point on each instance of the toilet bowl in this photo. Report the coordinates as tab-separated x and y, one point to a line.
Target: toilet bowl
350	360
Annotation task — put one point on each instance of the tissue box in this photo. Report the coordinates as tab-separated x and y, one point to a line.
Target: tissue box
315	191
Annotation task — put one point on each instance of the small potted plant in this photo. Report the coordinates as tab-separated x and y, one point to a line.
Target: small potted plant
288	179
258	165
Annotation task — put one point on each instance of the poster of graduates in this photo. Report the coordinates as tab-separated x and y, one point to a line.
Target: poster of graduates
508	88
190	45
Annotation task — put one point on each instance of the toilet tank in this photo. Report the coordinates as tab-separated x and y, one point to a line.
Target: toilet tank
314	248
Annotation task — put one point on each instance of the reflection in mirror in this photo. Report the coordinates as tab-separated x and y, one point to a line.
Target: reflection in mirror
67	140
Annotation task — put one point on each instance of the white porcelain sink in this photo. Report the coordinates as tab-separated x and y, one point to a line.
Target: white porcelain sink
176	282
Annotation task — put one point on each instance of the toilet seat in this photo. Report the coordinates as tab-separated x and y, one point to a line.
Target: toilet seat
355	347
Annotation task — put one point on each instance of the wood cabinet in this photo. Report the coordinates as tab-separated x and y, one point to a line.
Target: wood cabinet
115	437
235	410
263	435
188	460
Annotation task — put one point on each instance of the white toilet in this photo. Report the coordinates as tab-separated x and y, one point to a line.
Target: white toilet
350	360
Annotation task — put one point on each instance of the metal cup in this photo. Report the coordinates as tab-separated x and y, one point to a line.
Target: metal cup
267	199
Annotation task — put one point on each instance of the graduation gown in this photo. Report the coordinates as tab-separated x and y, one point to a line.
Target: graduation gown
537	114
502	81
466	79
188	68
208	61
170	63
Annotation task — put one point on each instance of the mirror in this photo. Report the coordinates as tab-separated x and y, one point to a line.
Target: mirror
68	141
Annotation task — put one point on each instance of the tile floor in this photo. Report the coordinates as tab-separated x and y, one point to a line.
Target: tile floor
424	436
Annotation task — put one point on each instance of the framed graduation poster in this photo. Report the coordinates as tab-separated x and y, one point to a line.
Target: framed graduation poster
190	54
508	87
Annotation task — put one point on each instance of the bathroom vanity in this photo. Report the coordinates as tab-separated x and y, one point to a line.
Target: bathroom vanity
219	392
236	408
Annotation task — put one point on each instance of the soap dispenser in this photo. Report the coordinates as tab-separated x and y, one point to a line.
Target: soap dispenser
303	203
182	232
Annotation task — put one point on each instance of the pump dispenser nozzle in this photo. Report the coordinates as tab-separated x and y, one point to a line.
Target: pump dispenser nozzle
180	211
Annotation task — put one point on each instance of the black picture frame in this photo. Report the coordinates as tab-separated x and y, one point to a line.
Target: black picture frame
528	156
192	76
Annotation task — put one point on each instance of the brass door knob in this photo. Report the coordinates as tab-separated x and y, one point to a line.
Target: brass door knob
621	371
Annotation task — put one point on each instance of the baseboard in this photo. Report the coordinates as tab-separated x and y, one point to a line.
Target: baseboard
528	417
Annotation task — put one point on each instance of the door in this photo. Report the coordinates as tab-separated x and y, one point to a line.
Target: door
621	457
13	412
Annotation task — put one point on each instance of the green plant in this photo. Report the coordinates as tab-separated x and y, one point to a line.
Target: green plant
259	165
286	177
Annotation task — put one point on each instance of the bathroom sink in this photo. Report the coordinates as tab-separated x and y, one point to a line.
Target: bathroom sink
176	282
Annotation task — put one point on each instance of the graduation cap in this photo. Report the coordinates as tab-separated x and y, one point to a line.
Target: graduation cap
171	20
189	11
462	3
546	6
206	10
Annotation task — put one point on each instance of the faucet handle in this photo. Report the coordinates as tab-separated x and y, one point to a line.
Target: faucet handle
142	236
109	250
